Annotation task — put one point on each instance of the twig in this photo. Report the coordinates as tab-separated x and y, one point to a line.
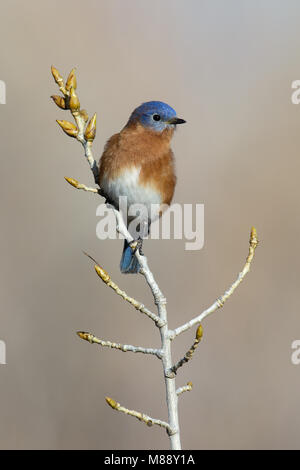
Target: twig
86	143
85	134
135	303
186	388
221	300
121	347
78	185
188	356
105	277
140	416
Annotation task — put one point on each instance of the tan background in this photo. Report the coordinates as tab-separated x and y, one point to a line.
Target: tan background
227	68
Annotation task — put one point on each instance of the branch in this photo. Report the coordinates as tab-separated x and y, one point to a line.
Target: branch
78	185
186	388
188	356
83	132
140	416
135	303
160	302
121	347
221	300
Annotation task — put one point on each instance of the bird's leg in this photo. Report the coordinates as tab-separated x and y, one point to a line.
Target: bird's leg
137	245
143	230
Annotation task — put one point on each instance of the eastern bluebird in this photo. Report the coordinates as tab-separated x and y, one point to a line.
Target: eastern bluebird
138	163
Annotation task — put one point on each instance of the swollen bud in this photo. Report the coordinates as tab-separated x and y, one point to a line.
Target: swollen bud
68	127
59	101
112	403
85	336
72	182
199	332
90	131
56	76
74	101
71	81
102	273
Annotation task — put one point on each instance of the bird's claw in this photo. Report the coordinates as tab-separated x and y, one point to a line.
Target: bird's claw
137	245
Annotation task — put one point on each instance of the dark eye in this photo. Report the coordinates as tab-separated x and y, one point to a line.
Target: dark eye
156	117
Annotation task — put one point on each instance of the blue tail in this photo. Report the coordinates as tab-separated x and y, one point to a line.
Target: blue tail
129	264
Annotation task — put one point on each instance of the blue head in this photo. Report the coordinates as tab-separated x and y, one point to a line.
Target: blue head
156	116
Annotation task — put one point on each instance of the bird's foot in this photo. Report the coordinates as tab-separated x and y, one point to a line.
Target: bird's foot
137	245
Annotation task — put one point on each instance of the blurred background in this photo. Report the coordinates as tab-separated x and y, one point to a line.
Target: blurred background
227	68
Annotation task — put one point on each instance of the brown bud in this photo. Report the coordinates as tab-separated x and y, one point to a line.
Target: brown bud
112	403
102	273
68	127
59	101
72	182
199	332
56	76
74	101
86	336
90	131
71	81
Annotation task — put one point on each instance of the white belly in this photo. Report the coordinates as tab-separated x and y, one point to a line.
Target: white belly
127	185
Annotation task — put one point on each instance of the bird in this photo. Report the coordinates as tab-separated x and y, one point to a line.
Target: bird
138	163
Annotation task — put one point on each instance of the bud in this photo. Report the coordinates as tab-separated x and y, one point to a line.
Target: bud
90	131
199	332
190	384
112	403
84	115
56	76
102	273
86	336
72	182
59	101
253	236
83	335
74	101
68	127
71	81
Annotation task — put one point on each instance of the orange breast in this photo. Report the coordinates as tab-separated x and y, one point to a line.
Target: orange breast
137	147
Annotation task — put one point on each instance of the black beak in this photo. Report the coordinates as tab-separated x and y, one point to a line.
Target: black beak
176	120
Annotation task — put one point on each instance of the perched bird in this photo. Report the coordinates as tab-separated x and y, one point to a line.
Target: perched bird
138	163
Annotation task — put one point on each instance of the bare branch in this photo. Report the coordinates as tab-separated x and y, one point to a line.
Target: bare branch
140	416
221	300
121	347
186	388
135	303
